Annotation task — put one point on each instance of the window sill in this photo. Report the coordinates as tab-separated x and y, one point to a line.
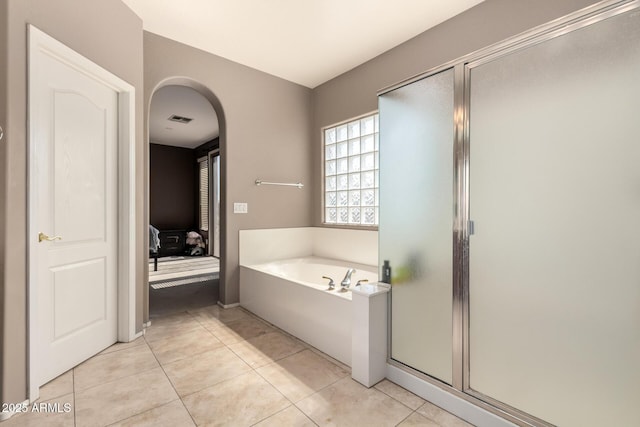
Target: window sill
350	226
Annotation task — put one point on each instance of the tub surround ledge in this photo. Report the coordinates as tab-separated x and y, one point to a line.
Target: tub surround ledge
369	336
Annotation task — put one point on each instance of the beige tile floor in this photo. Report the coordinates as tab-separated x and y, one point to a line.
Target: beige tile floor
219	367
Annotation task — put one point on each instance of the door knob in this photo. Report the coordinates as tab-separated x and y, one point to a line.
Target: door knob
42	236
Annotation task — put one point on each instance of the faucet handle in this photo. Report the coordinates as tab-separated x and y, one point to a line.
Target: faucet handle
331	284
361	281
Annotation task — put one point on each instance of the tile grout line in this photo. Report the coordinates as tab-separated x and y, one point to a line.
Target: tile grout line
102	353
341	379
190	355
212	385
304	413
312	394
117	379
293	405
397	400
304	346
225	325
172	385
275	388
197	319
405	418
277	391
321	389
255	369
306	397
121	378
143	412
272	361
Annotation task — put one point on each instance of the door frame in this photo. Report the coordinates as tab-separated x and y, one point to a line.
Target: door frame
43	44
214	209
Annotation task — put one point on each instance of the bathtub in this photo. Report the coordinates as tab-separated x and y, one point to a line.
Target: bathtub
292	295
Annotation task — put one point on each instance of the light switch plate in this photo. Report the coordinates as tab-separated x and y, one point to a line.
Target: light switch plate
240	208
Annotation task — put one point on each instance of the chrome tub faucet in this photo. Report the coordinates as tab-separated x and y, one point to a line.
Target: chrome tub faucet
346	282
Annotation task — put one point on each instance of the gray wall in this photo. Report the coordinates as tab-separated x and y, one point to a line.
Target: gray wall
108	33
354	93
265	133
4	7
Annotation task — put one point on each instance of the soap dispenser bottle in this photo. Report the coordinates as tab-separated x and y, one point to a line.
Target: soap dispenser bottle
386	272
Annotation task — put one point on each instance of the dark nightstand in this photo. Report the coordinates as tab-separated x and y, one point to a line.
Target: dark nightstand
172	242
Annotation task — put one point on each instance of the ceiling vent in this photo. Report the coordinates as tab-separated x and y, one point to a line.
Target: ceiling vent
180	119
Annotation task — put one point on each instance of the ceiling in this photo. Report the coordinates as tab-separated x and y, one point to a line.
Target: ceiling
304	41
185	102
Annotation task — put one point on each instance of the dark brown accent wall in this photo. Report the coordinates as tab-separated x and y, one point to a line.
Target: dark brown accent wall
172	187
203	150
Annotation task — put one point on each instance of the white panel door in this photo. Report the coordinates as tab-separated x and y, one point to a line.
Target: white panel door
75	126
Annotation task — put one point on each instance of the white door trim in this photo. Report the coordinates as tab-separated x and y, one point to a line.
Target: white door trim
41	43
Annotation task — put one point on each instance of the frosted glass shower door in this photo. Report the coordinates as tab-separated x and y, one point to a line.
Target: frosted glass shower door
554	264
416	214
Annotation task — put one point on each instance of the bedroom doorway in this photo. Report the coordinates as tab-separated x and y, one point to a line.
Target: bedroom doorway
184	171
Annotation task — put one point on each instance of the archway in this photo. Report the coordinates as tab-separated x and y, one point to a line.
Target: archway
215	148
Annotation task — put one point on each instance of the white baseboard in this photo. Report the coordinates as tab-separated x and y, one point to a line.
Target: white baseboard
454	404
236	304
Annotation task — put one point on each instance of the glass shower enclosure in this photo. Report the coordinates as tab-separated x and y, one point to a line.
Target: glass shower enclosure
510	197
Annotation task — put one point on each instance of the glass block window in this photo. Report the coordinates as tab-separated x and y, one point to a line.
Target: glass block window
351	172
